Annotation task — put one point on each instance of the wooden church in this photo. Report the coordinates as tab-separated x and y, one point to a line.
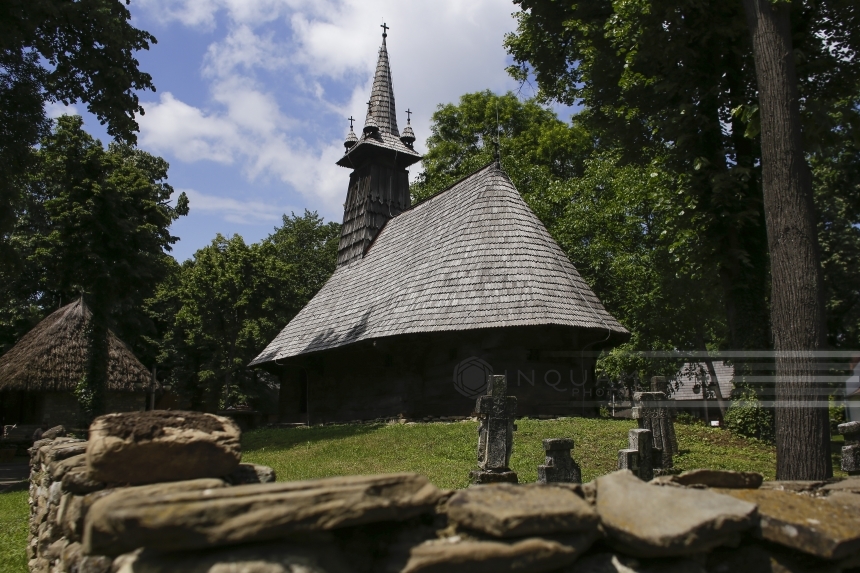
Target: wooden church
427	300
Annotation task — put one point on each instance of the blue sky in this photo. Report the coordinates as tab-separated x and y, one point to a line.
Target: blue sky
253	95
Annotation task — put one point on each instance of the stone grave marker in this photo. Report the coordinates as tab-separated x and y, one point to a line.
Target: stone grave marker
559	466
851	449
653	413
640	457
496	412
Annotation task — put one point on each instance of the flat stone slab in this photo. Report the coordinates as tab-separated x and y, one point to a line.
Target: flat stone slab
75	521
78	481
754	558
802	522
794	485
60	468
251	473
646	520
453	555
251	513
719	478
505	510
851	485
849	428
162	445
847	499
482	477
613	563
270	558
61	450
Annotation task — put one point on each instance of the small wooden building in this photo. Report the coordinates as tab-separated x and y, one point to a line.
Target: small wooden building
39	374
428	300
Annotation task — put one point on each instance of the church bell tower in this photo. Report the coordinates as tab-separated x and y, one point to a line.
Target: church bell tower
379	183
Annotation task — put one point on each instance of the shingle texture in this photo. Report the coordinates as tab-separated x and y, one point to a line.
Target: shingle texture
725	373
473	256
381	112
381	106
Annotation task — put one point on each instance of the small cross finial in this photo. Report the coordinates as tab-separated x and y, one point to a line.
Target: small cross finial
408	116
351	119
385	29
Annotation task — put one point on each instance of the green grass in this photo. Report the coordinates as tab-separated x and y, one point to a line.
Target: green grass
446	452
14	512
443	452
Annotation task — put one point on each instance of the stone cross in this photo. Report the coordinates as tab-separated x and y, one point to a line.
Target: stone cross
640	457
496	412
851	449
559	465
652	413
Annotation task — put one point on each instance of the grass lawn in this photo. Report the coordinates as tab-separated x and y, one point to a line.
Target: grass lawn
13	532
443	452
446	452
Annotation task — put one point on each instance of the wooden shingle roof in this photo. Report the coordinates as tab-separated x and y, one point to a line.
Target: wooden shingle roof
473	256
381	112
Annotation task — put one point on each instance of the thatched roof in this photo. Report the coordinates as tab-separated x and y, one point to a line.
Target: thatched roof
52	356
473	256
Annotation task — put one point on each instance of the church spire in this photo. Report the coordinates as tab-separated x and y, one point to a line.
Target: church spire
381	109
379	183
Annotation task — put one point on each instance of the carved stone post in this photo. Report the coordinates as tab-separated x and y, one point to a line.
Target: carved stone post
851	449
559	465
653	413
640	457
496	412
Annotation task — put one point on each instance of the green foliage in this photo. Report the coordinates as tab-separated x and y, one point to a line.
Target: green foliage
219	309
687	419
623	225
836	414
14	518
95	223
675	81
62	51
746	417
535	147
85	394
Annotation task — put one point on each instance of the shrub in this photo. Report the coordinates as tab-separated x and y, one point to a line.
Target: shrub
747	417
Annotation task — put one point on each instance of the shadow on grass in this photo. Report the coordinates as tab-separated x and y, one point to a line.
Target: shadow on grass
286	438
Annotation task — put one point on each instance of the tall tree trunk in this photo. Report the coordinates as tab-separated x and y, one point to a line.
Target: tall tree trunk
797	311
92	395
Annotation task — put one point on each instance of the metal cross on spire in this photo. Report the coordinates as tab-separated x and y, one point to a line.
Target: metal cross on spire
351	119
408	116
385	29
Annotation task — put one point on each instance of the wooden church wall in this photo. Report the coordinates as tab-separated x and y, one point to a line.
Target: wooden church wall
441	374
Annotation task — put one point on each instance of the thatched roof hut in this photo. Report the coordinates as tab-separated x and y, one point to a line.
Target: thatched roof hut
52	357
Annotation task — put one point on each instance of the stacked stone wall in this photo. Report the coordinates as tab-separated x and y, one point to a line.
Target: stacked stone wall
95	509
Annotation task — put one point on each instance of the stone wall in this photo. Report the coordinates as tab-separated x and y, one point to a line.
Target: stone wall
92	511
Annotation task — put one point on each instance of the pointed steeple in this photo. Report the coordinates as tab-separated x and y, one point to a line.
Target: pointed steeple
379	183
381	109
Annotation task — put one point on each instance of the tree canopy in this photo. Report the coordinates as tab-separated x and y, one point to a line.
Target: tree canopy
218	310
94	222
675	81
62	51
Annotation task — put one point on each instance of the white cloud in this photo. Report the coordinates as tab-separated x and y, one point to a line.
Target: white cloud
284	74
234	210
56	109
